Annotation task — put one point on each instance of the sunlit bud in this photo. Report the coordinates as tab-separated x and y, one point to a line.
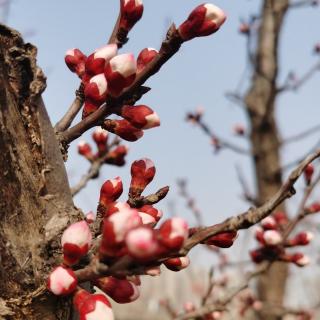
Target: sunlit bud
140	116
120	73
85	150
301	239
120	290
95	307
152	211
300	259
89	107
110	191
177	264
97	61
244	28
131	13
123	129
314	207
96	89
75	61
308	173
117	155
281	218
62	281
153	272
141	242
173	233
272	237
116	207
222	240
90	217
142	173
203	21
145	57
269	223
239	129
189	306
76	242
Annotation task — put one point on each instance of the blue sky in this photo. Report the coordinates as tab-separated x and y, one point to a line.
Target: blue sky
199	75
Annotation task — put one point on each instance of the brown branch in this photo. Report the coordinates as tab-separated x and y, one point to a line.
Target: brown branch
301	3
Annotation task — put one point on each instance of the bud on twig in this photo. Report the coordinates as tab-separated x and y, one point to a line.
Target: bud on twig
308	173
222	240
123	129
140	116
177	264
75	61
62	281
110	191
145	57
131	13
85	150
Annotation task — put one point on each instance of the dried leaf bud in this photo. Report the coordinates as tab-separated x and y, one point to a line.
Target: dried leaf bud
123	129
98	60
308	173
173	233
203	21
96	89
131	13
100	137
269	223
90	217
85	150
142	173
147	220
145	57
110	191
272	237
75	61
62	281
120	290
222	240
141	116
76	241
177	264
120	73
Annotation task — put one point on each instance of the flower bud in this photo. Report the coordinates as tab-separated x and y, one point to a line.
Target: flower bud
152	211
96	89
269	223
141	116
281	218
314	207
300	259
203	21
308	173
173	233
76	241
145	57
62	281
97	61
120	73
123	129
120	290
85	150
116	207
301	239
272	237
177	264
142	173
239	129
131	13
117	155
141	243
110	191
147	220
75	61
222	240
100	137
79	297
89	107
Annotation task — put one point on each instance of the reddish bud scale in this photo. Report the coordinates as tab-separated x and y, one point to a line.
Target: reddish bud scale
85	150
145	57
120	290
140	116
62	281
123	129
131	13
308	173
79	297
110	191
75	61
222	240
89	107
177	264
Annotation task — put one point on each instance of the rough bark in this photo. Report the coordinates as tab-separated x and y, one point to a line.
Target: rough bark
35	200
260	101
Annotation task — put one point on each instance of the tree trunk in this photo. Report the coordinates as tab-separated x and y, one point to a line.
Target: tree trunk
260	101
35	200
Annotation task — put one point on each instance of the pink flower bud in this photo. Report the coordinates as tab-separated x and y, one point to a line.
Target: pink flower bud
131	13
173	233
302	239
300	259
110	191
222	240
203	21
96	89
79	297
269	223
96	306
116	207
117	155
100	137
141	116
141	243
272	237
147	219
142	173
123	129
145	57
177	264
76	241
98	60
75	61
89	107
90	217
62	281
308	173
120	290
120	73
85	150
189	306
152	211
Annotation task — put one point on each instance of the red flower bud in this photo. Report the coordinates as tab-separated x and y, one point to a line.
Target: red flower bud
85	150
96	89
239	129
100	137
301	239
117	155
89	107
314	207
62	281
308	173
120	290
75	61
177	264
145	57
97	61
203	21
120	73
299	259
281	218
140	116
110	191
222	240
152	211
90	217
142	173
76	241
173	233
123	129
272	237
269	223
131	13
116	207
